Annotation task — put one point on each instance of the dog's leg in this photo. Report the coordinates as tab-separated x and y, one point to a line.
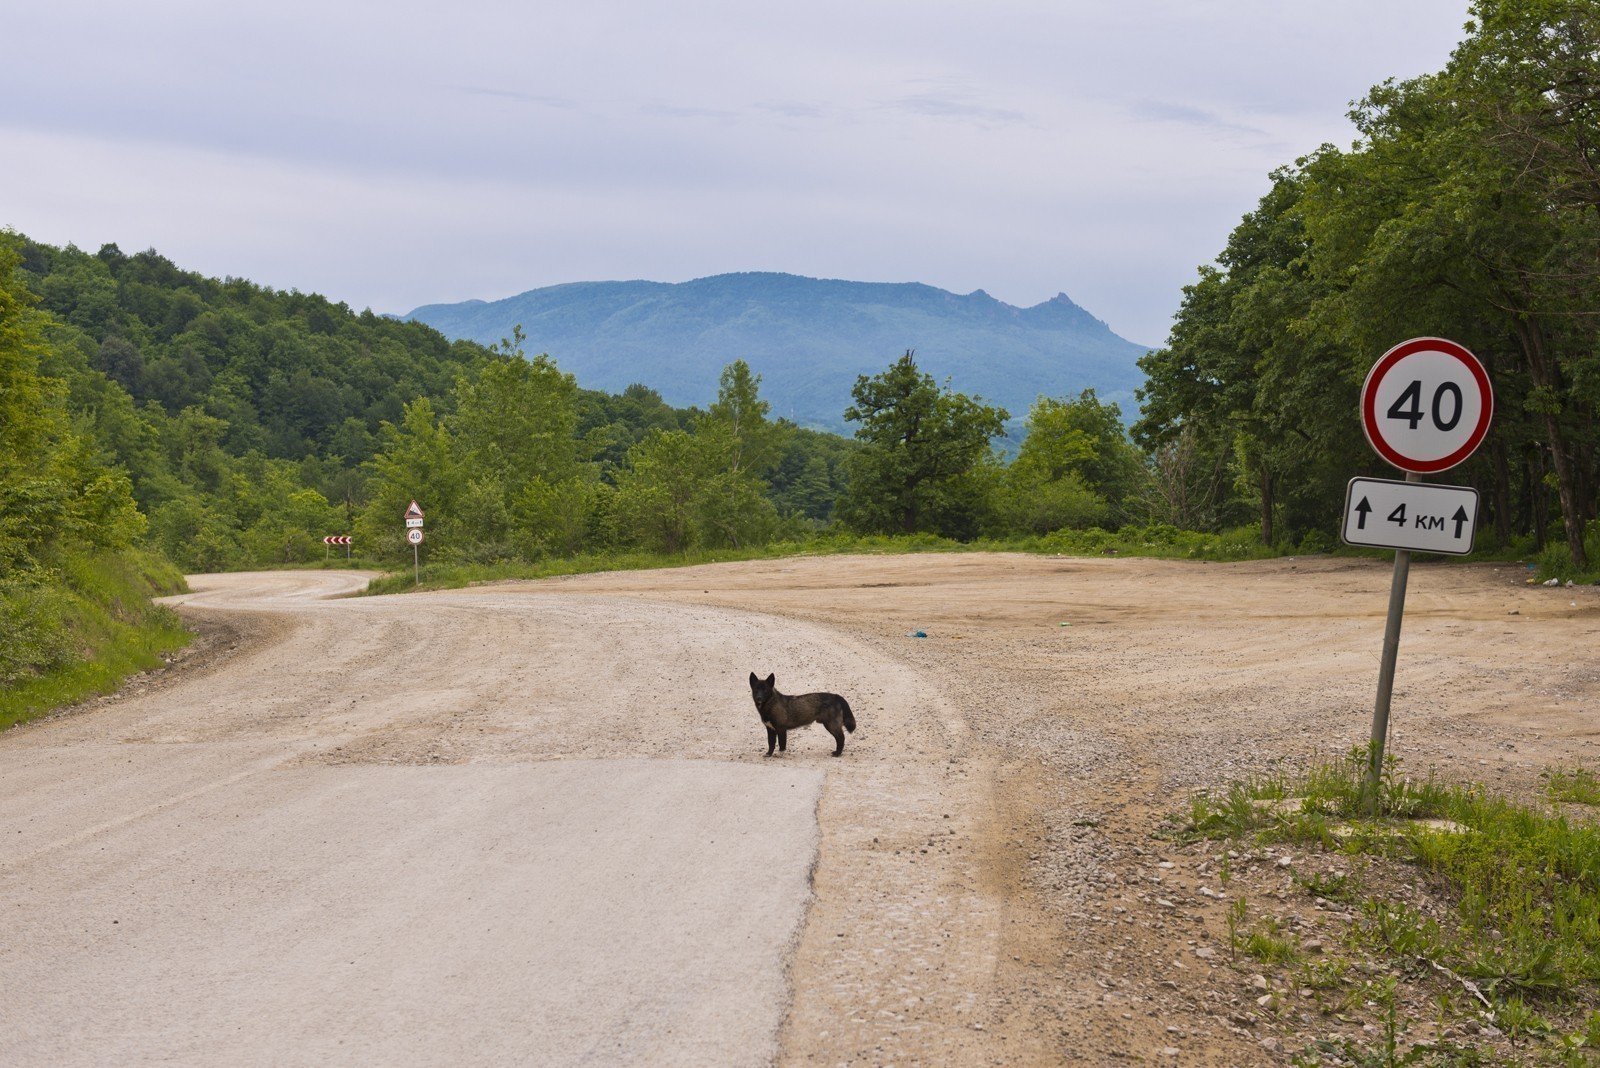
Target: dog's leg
783	741
772	738
838	736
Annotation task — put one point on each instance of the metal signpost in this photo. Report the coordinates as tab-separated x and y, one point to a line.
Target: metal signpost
1425	406
414	536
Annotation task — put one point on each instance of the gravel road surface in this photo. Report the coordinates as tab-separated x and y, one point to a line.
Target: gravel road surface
272	860
532	822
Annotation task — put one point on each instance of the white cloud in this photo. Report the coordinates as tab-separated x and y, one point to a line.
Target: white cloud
397	154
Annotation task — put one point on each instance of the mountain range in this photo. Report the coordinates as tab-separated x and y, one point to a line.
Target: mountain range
807	337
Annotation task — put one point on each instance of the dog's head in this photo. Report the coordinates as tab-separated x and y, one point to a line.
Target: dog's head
761	689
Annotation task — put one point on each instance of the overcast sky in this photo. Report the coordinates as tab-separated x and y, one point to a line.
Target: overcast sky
394	154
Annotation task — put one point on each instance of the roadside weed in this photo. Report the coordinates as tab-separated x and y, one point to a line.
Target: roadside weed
1578	786
1236	917
1493	903
1268	943
1332	886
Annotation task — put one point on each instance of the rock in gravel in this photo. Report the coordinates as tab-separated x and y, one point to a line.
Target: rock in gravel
1205	952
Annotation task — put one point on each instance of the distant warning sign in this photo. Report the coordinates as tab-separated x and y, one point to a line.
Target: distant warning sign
414	510
1421	516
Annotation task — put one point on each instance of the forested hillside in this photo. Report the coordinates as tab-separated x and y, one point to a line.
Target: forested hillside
249	423
74	591
247	419
1469	208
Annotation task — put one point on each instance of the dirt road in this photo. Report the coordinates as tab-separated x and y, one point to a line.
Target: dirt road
533	821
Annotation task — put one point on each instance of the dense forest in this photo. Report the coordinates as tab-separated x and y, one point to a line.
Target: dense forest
1470	209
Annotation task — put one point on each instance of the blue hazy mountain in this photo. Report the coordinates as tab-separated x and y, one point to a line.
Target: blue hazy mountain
808	338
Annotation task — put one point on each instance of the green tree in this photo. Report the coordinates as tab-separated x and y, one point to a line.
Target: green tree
417	462
1044	488
923	449
754	443
679	491
516	420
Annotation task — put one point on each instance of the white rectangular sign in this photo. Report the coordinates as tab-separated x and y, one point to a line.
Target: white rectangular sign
1423	516
413	523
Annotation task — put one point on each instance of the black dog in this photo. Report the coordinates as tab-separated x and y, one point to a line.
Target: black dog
781	714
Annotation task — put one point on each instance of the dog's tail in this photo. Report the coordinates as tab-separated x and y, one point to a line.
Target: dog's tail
849	716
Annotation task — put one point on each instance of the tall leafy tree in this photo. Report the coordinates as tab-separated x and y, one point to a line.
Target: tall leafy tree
418	462
922	450
754	442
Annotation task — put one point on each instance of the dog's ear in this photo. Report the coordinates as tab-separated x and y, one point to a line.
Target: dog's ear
772	680
753	680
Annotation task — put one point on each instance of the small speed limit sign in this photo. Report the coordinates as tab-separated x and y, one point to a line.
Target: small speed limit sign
414	536
1426	405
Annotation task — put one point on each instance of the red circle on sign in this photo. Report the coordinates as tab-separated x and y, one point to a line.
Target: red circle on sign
1369	404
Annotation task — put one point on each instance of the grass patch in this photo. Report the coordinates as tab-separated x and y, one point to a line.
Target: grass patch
1341	887
1576	786
1522	881
1491	912
81	629
1268	943
1555	560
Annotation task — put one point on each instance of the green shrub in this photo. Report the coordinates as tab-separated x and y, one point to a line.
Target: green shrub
34	637
83	628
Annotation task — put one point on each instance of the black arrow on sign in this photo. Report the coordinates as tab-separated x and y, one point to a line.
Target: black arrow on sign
1461	518
1361	515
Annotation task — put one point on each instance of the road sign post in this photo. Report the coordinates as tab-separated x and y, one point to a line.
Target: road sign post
1426	406
1391	653
413	520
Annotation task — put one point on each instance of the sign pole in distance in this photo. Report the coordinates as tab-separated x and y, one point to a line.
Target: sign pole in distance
413	519
1426	406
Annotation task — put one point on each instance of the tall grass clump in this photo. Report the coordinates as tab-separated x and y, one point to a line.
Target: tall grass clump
81	628
1521	880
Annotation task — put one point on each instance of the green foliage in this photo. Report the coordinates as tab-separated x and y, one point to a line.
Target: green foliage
1577	786
75	612
924	462
80	628
1524	881
1468	210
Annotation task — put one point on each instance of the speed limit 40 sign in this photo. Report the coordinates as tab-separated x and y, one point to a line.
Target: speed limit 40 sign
1426	405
